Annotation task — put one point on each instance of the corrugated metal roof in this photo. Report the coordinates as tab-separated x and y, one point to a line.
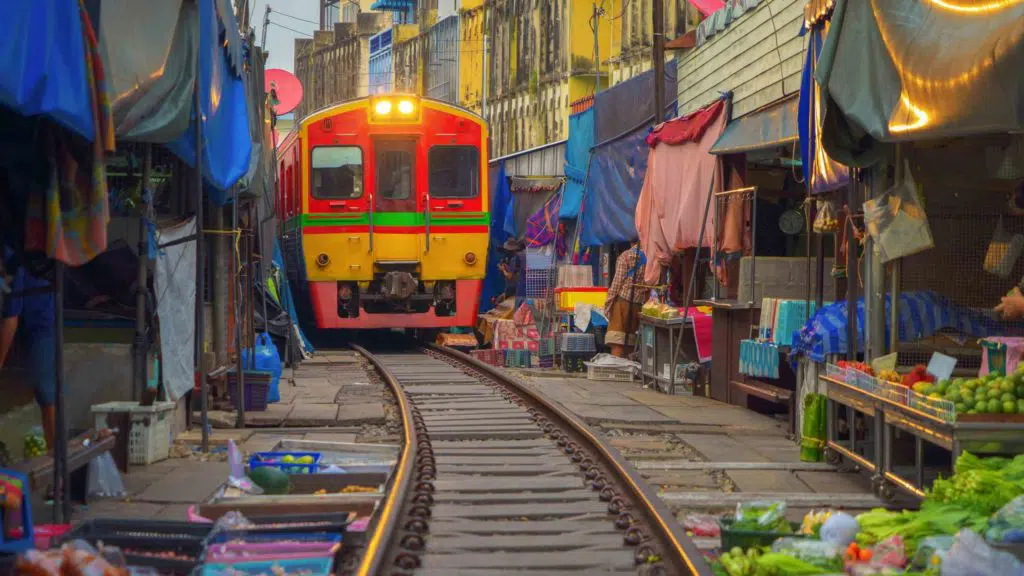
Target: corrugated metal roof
546	160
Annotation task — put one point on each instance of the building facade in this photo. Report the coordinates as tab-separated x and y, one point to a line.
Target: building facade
333	66
538	56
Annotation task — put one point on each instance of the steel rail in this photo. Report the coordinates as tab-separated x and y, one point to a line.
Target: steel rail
386	524
688	558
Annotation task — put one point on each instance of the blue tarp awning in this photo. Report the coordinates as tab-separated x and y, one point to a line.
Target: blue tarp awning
775	125
227	146
577	156
613	188
501	199
44	63
400	5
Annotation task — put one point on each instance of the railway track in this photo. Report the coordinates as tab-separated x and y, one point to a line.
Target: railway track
494	479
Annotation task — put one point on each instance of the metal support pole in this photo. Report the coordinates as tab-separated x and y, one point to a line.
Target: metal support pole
851	270
219	276
142	275
486	80
61	474
200	246
236	268
597	55
875	272
659	61
895	271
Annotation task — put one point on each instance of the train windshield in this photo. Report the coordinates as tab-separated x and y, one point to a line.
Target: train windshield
454	171
337	172
396	168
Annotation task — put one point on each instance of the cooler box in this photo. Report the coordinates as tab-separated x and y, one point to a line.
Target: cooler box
568	298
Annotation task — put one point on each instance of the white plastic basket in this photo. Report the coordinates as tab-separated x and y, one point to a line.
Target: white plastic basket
150	437
608	373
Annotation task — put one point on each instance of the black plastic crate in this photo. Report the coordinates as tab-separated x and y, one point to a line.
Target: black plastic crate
141	541
575	361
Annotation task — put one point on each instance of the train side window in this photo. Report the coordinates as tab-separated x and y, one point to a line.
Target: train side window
454	171
396	168
337	172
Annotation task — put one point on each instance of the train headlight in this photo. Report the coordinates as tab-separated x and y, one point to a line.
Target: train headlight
322	260
406	107
383	107
469	258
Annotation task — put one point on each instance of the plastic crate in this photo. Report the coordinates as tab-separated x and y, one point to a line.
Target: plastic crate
489	356
26	540
578	343
608	373
732	538
546	347
307	567
543	361
575	361
150	438
568	298
142	541
517	358
273	460
257	388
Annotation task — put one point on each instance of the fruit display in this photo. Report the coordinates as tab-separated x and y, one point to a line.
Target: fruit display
890	376
918	375
272	480
991	394
858	366
293	463
35	444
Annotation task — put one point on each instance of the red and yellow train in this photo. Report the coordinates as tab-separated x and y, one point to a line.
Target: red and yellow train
385	213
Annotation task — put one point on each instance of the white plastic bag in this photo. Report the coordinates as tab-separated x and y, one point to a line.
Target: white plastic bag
1003	251
104	478
897	221
971	556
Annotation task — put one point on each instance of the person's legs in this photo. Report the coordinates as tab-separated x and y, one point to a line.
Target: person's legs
8	328
42	354
615	338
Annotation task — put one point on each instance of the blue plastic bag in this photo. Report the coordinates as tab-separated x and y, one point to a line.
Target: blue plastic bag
267	360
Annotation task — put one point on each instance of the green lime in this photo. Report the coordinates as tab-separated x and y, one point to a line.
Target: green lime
942	386
1008	397
1009	407
960	407
1006	385
995	407
972	411
993	394
954	395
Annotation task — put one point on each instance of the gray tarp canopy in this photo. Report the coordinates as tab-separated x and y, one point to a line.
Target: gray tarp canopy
903	70
150	52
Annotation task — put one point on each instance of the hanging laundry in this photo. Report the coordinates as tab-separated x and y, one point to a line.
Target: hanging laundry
68	221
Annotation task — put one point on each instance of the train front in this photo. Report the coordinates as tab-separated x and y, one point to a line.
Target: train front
395	223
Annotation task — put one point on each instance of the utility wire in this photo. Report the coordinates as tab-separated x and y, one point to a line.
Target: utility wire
299	32
294	17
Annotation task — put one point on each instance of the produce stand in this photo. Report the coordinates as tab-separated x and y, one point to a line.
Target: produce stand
81	450
660	350
893	407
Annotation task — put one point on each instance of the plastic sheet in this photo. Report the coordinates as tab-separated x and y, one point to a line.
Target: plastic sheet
104	478
500	196
971	556
577	158
613	189
175	285
227	147
44	63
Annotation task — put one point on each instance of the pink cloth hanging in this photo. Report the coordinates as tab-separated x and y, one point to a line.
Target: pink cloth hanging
670	209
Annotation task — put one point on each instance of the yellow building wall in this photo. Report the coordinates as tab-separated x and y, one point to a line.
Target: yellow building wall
471	57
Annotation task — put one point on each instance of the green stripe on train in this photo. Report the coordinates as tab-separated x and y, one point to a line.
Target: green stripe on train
392	219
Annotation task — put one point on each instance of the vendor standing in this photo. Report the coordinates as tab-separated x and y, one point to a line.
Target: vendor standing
510	266
625	299
34	311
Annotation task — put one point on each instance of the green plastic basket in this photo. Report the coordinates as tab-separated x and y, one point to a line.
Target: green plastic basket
732	538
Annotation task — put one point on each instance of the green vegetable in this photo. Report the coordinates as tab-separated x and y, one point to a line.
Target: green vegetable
932	520
272	480
785	565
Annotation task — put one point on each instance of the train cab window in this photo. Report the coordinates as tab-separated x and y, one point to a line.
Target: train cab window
396	168
454	171
337	172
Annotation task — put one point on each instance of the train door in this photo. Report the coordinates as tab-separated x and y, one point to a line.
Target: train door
395	215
